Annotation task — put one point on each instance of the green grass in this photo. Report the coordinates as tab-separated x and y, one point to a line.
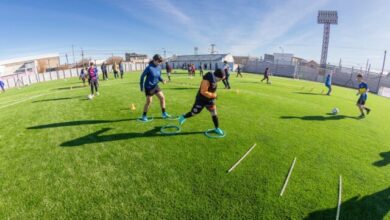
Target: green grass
64	157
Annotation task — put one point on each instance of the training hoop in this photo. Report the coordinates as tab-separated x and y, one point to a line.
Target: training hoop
207	133
164	128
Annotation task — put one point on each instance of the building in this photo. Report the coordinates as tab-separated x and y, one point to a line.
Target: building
136	58
29	65
208	61
283	58
269	58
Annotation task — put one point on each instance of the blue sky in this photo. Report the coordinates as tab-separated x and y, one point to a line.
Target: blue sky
240	27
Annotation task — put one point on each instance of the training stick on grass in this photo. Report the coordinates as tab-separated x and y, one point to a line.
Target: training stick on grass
288	176
339	203
239	161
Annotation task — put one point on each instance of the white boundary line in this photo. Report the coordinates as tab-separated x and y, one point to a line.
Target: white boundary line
17	102
340	193
288	176
239	161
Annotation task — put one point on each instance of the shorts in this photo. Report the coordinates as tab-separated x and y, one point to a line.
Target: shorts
153	91
361	101
200	104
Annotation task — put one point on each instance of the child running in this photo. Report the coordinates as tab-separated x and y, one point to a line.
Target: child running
151	88
206	98
266	76
169	70
328	83
83	75
227	74
121	69
93	80
362	91
239	71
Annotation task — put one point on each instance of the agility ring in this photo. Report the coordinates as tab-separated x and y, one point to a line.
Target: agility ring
149	119
172	118
209	135
164	129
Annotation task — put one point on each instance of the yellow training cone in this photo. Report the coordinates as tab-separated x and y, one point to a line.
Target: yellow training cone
132	107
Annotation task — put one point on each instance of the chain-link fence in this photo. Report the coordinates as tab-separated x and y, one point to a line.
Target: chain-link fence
342	76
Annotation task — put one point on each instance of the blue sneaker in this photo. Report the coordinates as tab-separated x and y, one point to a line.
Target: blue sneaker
219	131
181	120
165	115
144	118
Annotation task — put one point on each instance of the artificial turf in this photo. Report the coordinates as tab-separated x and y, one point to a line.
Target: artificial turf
63	156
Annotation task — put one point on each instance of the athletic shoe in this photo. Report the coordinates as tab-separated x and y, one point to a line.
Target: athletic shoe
368	111
181	120
165	115
144	118
218	131
362	116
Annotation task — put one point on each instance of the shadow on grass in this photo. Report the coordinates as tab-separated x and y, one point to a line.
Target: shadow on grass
77	123
374	206
56	99
183	88
97	137
330	117
69	87
309	93
385	161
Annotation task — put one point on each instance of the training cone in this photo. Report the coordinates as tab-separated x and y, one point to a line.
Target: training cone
132	107
238	91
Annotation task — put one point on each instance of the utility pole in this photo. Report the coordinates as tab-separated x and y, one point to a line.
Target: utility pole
367	66
195	50
82	57
383	68
212	48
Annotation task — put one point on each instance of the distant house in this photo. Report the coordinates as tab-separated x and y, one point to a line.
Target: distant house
32	64
312	64
136	58
210	61
298	61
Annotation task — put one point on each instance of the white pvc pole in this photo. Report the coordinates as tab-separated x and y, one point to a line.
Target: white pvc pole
288	176
239	161
339	203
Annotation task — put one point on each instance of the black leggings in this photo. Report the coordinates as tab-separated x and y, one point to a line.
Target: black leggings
94	85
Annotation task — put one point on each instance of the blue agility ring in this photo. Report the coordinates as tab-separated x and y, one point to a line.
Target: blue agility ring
207	133
172	118
149	119
162	130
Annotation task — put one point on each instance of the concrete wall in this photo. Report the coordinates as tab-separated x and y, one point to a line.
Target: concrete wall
28	78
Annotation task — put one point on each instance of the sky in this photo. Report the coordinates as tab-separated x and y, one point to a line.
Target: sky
240	27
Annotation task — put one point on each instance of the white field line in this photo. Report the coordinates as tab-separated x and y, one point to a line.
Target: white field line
288	176
339	202
239	161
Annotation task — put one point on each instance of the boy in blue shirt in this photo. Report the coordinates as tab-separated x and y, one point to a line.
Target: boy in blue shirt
362	91
150	86
328	83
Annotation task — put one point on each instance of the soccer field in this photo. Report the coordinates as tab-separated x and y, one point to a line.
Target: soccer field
63	156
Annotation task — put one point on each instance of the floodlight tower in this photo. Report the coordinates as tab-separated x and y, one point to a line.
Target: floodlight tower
327	18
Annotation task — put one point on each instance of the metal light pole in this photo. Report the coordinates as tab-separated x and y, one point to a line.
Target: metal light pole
383	68
327	18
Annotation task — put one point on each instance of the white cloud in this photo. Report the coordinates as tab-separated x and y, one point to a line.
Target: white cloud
274	24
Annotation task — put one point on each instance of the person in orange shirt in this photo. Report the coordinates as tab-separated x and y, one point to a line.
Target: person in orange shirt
206	98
